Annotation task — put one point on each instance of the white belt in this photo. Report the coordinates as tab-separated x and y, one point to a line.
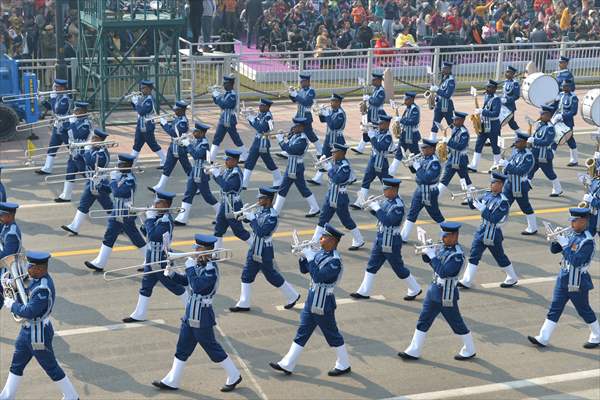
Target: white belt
27	324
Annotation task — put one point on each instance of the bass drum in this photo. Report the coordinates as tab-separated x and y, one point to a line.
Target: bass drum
539	89
590	108
563	133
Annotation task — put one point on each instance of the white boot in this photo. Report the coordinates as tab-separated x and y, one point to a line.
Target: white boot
546	331
244	152
361	197
141	309
246	179
216	207
416	344
531	223
556	187
357	237
245	293
469	275
413	285
77	220
184	215
573	156
162	156
342	361
290	294
214	149
277	177
406	229
468	348
67	192
162	182
442	188
317	178
67	389
279	202
10	387
511	275
312	202
102	257
289	361
184	298
433	135
367	284
219	243
135	153
318	147
594	332
394	167
360	148
475	161
48	164
497	158
173	378
233	374
318	233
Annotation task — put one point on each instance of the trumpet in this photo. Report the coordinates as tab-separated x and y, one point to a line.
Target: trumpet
415	157
553	232
131	95
298	246
321	163
215	255
208	167
247	112
368	126
426	241
184	140
246	208
216	88
33	96
131	211
370	200
420	249
466	193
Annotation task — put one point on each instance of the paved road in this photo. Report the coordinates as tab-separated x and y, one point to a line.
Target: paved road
106	361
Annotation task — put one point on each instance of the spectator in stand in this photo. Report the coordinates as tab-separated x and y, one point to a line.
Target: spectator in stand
230	16
209	9
48	42
277	38
539	36
378	9
253	11
364	35
390	9
375	25
359	14
455	20
405	39
345	37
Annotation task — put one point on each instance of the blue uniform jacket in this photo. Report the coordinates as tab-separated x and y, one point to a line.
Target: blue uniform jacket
577	253
10	240
495	212
305	99
336	122
261	122
457	146
410	125
2	194
567	105
446	265
227	103
202	281
296	146
444	94
389	219
375	104
159	232
543	142
490	113
563	75
324	269
511	92
123	190
144	107
97	157
339	175
79	131
40	303
263	226
430	171
60	105
198	149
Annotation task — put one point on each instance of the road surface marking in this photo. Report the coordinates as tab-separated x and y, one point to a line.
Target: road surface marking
503	386
521	282
106	328
347	300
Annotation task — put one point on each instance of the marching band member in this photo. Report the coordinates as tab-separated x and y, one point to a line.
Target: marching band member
564	74
458	159
543	147
159	231
263	125
427	175
517	187
197	325
409	133
230	182
295	147
227	102
442	296
97	187
377	167
177	128
198	180
335	119
566	106
490	125
144	128
444	106
336	199
592	198
261	256
60	104
10	234
325	269
35	336
573	281
375	103
304	97
494	207
122	185
388	243
2	188
76	130
511	91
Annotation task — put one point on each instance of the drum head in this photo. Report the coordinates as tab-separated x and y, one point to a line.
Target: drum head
590	110
565	138
540	89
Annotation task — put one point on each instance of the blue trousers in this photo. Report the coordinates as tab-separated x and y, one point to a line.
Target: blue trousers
251	269
115	228
24	352
222	223
74	165
310	132
328	143
188	339
88	199
377	258
593	222
438	115
407	147
233	133
341	210
462	171
571	142
171	161
308	323
371	174
300	183
523	201
547	168
416	205
493	137
254	155
432	308
194	187
147	137
478	247
150	280
55	140
580	300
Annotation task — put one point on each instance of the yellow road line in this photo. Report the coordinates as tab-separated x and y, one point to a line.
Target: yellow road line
366	227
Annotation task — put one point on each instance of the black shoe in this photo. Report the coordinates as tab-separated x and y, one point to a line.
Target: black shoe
354	149
472	170
151	188
130	320
338	372
177	223
93	267
487	144
556	194
352	181
464	203
312	215
160	167
162	386
59	200
239	309
71	231
244	188
214	222
407	357
458	357
228	388
281	155
527	233
313	182
355	207
572	164
461	285
278	367
411	298
534	341
41	172
508	285
292	304
141	269
590	345
359	296
354	248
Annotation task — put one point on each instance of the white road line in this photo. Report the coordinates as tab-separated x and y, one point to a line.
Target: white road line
579	395
105	328
521	282
337	301
243	365
504	386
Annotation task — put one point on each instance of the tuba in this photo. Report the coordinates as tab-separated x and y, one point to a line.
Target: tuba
590	165
475	119
15	264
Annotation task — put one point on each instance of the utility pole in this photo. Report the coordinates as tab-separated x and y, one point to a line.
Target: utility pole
61	65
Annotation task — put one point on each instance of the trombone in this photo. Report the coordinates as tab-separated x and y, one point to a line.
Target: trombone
59	178
216	255
33	96
44	123
30	157
298	246
131	211
466	193
246	208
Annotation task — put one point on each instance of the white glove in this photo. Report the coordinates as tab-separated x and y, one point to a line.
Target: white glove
558	117
397	119
168	271
530	139
8	302
478	205
372	133
190	262
596	155
215	172
563	241
250	216
163	121
477	111
151	214
216	93
366	97
293	93
375	206
73	120
588	198
416	165
434	88
135	99
503	100
279	137
53	95
503	163
7	282
430	252
115	175
463	184
309	254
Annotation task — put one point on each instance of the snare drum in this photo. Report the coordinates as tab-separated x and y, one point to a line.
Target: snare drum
539	89
505	115
590	108
563	133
